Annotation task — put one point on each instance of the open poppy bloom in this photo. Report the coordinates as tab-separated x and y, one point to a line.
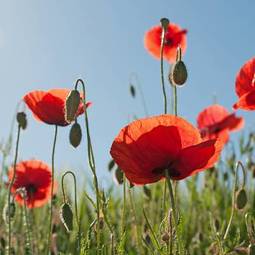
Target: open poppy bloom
215	121
146	148
49	106
35	177
245	86
174	37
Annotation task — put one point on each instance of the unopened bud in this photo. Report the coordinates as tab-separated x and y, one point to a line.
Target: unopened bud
165	237
164	23
101	223
22	119
71	105
75	135
178	73
9	212
241	199
132	90
66	216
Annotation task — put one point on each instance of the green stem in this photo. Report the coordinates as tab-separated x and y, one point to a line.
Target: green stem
239	163
91	161
9	190
175	215
52	187
123	227
75	204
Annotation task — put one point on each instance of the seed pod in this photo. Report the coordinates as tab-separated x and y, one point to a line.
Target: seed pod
178	73
165	237
241	199
66	216
71	105
75	135
164	23
6	212
132	90
22	119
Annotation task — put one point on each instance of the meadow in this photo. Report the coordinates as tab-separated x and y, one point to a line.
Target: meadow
178	188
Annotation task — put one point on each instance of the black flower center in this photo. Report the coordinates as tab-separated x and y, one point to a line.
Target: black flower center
31	189
171	171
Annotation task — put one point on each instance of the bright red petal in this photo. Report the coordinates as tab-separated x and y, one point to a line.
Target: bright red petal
245	80
198	157
246	101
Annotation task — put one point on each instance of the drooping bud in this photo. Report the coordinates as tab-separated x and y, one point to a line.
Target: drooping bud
66	216
22	119
241	199
71	105
101	222
178	73
165	237
75	135
7	212
164	23
111	164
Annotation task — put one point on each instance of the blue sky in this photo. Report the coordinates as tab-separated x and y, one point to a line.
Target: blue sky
49	44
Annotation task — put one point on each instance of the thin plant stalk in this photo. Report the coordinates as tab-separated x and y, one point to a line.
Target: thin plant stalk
52	187
91	161
173	207
75	204
9	190
123	226
239	163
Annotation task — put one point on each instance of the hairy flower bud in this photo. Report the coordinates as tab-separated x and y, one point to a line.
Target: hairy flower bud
71	105
178	73
22	119
241	199
75	135
66	216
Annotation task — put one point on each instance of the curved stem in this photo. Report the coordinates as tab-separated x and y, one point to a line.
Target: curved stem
9	190
75	203
91	160
52	187
239	163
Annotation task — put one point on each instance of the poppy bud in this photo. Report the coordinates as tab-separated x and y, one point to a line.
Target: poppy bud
217	224
72	105
118	176
111	164
132	90
22	119
178	73
75	135
241	199
164	23
147	238
165	237
6	211
66	216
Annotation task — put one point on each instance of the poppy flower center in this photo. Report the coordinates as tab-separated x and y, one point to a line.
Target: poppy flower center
31	189
169	167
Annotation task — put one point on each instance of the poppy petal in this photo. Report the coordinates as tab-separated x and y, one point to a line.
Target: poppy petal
246	101
198	157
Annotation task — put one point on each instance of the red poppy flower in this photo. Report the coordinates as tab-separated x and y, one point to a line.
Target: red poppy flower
49	106
215	121
175	36
245	86
35	177
146	148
